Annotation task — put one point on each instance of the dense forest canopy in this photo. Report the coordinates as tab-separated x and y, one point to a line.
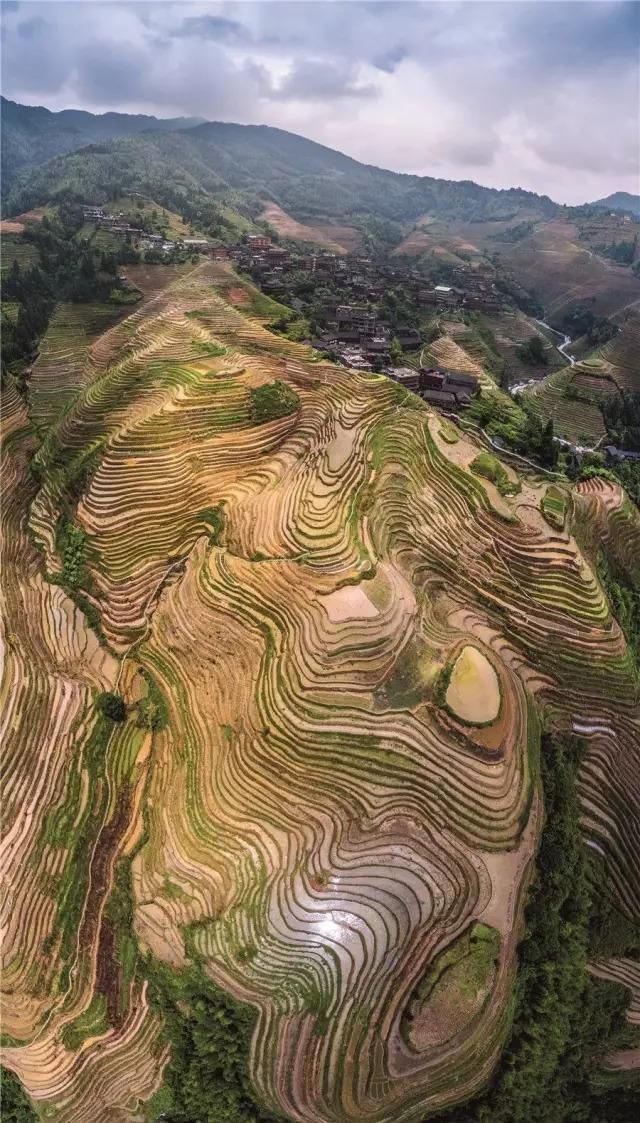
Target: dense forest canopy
299	174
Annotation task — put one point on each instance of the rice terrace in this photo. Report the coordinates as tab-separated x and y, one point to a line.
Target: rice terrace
320	565
333	655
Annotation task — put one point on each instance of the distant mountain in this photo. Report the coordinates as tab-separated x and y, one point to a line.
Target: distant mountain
31	134
254	161
620	201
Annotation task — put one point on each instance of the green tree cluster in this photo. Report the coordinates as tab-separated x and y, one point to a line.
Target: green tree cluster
15	1105
621	414
210	1038
533	352
273	400
112	706
516	424
582	321
623	252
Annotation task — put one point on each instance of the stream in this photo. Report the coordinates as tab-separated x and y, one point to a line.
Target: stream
518	387
562	349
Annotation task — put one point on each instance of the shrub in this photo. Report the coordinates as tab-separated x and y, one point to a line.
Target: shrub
112	706
489	467
273	400
152	709
71	543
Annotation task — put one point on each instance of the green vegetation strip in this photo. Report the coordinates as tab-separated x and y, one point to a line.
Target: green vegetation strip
564	1021
488	466
15	1105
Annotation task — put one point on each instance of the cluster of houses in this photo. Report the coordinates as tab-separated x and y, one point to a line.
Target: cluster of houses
449	390
117	224
355	335
473	291
270	265
358	338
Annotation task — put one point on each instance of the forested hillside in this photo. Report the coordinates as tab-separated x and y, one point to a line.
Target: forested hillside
260	161
31	134
620	201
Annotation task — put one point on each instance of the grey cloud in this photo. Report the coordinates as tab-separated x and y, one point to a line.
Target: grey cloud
214	27
311	80
31	28
479	152
538	93
389	60
105	67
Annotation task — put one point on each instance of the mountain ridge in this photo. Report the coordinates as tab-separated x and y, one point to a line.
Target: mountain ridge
619	201
67	130
299	174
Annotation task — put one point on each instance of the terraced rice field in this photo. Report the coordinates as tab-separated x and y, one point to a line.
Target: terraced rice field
64	362
622	352
298	805
573	398
563	271
14	248
334	237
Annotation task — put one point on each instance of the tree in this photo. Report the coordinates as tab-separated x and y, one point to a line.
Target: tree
533	351
15	1105
111	706
273	400
395	351
548	446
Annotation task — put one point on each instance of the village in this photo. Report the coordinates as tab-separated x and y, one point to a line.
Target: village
144	240
347	293
354	287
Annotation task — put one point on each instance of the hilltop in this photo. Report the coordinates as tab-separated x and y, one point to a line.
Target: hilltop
292	662
620	201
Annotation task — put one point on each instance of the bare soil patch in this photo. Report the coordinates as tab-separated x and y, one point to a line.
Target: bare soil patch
236	296
333	236
349	603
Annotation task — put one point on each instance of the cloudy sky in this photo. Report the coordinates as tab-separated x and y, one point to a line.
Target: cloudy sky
541	95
